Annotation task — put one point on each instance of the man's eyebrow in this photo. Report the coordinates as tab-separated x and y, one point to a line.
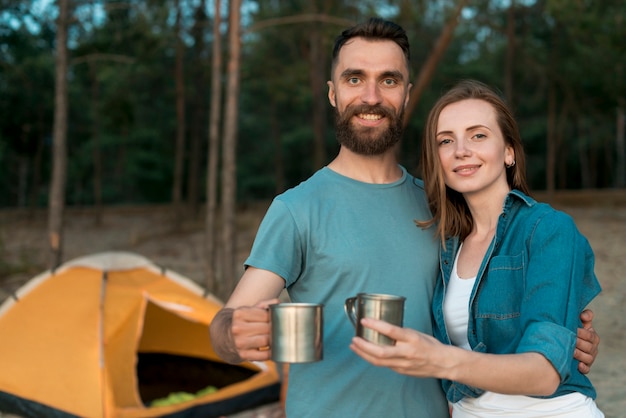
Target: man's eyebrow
352	72
393	74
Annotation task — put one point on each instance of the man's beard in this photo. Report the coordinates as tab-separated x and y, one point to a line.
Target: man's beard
364	140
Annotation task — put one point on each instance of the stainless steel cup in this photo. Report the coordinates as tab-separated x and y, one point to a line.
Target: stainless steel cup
297	332
388	308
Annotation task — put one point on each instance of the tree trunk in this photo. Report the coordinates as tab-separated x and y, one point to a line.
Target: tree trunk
199	111
550	140
279	162
585	155
95	134
211	268
620	175
56	202
559	134
317	71
428	69
229	174
34	191
509	64
179	158
22	179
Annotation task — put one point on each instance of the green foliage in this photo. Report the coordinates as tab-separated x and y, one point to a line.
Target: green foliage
122	89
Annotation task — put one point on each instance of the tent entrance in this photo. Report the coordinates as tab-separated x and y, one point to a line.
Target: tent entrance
175	355
160	374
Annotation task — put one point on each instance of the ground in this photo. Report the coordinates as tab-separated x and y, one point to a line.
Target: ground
600	215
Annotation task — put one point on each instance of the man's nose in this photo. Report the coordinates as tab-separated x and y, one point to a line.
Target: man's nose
371	94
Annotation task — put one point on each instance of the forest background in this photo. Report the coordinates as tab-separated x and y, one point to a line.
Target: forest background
206	107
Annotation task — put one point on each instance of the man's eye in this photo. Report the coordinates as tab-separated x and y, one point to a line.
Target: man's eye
353	80
390	82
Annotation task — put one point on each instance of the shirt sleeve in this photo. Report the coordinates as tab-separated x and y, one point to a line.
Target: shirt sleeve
277	246
559	283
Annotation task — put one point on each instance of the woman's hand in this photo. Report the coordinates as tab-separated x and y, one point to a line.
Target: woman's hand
414	354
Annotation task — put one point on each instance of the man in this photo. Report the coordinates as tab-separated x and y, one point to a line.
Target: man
347	229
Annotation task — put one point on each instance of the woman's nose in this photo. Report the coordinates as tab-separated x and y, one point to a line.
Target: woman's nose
462	149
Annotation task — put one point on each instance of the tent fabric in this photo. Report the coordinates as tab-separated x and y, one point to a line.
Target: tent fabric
72	339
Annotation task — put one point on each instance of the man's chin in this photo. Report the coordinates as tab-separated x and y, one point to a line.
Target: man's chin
370	146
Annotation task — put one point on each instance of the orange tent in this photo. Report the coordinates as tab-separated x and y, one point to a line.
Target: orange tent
106	335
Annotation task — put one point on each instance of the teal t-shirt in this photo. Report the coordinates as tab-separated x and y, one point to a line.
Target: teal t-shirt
330	238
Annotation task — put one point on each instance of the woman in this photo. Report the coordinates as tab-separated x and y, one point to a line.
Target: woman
515	274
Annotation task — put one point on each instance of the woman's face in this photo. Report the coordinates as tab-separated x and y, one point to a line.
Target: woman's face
472	149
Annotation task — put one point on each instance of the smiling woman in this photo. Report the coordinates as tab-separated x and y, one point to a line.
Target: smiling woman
472	149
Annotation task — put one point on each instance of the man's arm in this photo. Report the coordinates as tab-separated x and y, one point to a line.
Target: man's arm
587	343
241	329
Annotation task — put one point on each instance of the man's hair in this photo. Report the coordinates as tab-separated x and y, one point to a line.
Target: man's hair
374	29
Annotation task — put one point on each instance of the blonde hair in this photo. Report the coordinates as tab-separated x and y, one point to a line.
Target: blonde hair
450	212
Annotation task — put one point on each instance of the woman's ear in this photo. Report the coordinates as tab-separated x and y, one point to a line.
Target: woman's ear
509	156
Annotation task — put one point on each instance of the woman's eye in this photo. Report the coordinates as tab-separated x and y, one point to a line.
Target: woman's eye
480	136
444	141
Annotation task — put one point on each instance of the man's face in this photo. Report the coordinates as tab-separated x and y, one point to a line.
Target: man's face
369	90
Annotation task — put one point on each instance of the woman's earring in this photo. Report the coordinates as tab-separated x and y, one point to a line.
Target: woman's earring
510	165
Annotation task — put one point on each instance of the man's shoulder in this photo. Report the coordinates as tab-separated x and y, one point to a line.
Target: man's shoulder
310	185
417	182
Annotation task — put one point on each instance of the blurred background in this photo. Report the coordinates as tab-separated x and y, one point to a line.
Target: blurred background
207	106
165	127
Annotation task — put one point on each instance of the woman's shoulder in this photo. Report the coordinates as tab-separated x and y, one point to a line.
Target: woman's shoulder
532	209
541	219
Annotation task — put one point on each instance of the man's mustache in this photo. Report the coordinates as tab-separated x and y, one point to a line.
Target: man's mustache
369	109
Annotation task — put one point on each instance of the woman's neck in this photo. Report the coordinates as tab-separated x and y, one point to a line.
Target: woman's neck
486	209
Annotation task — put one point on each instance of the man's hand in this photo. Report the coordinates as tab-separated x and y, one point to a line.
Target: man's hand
250	331
243	333
587	343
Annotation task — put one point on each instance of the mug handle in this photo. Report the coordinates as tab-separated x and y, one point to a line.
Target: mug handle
349	308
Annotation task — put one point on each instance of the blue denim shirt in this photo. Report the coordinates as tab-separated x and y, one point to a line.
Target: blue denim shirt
536	278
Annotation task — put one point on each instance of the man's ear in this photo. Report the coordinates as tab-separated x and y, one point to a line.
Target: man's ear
408	94
331	93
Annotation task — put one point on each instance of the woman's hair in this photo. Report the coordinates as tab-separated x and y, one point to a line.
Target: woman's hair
450	212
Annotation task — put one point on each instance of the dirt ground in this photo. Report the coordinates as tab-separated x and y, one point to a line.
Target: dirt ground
601	216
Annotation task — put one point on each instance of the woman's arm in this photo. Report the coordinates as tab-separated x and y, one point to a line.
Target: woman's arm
419	355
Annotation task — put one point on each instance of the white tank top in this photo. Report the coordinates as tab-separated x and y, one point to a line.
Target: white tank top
491	404
456	306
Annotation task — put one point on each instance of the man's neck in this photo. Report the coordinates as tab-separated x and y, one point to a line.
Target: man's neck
376	169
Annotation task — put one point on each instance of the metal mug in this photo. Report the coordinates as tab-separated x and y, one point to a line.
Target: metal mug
389	308
296	332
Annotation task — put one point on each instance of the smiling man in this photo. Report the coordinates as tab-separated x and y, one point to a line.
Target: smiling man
369	90
347	229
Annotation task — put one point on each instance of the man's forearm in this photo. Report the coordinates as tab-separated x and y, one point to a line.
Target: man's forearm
221	336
